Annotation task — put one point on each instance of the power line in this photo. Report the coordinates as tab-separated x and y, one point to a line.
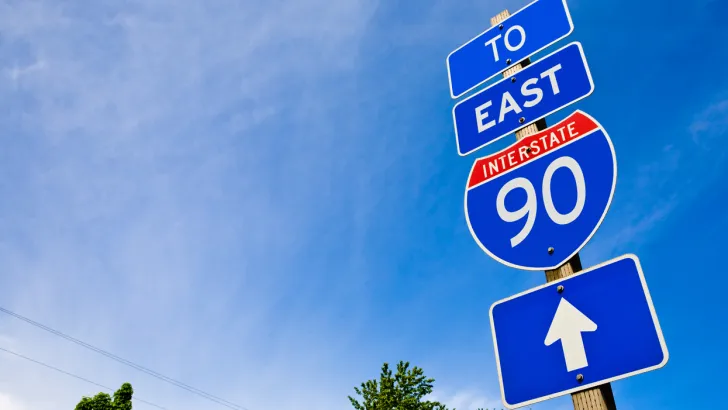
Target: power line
78	377
129	363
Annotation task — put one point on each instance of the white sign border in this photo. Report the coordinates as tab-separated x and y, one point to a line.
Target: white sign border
655	322
447	59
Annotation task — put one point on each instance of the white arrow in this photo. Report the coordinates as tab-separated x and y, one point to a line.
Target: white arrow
567	325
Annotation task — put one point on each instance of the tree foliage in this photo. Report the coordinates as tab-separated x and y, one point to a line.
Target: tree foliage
404	390
102	401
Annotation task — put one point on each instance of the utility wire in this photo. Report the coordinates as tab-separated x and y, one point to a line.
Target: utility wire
78	377
129	363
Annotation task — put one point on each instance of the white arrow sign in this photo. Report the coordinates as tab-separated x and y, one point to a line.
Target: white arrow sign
567	325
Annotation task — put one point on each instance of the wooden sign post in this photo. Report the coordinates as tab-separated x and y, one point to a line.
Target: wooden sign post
596	398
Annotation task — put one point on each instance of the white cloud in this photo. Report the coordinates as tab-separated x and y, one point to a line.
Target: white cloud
466	399
7	402
672	177
710	123
16	72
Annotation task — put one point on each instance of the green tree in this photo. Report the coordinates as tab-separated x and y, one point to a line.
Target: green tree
402	391
102	401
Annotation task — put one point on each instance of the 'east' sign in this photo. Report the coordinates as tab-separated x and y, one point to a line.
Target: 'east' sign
542	88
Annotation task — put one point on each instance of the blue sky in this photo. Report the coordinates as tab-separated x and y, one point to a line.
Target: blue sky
264	200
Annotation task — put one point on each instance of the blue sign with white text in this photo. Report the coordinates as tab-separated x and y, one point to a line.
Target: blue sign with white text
521	35
542	88
535	204
585	330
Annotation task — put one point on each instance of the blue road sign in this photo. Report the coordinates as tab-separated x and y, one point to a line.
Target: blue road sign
524	33
535	204
542	88
601	325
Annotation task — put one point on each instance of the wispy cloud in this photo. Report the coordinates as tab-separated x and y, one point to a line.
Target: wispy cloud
466	399
671	178
147	144
709	124
7	402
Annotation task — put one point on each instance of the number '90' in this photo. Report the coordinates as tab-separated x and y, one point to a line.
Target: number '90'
529	208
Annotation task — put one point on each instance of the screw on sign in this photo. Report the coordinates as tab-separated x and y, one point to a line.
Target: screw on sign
508	41
535	204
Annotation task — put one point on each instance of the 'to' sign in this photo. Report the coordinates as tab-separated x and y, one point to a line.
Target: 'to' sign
535	204
526	32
